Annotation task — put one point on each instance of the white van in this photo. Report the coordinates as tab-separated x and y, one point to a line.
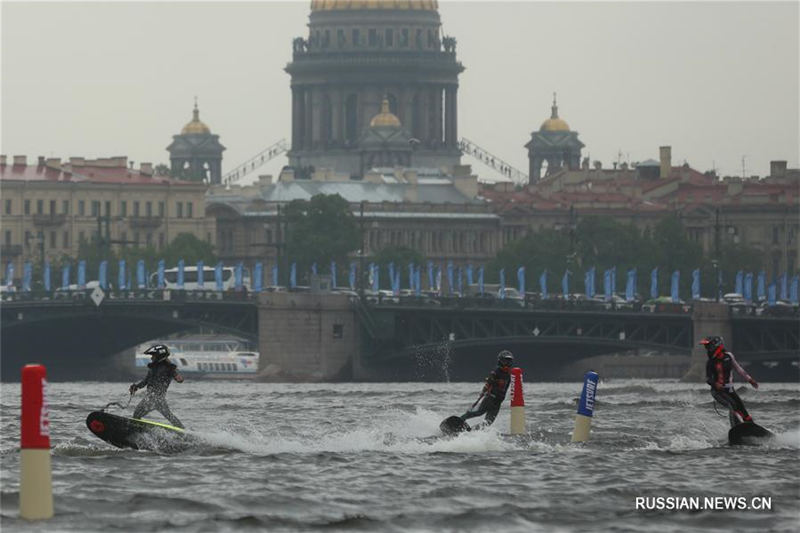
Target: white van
190	279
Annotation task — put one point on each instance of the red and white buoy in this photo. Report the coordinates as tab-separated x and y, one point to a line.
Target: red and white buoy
517	403
35	484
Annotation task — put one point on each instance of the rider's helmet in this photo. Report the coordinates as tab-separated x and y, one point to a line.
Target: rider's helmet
505	358
713	344
157	352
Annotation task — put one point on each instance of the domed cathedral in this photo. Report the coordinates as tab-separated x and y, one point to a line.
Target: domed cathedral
555	144
359	53
196	154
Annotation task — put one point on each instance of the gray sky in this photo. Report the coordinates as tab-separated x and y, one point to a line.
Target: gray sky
717	81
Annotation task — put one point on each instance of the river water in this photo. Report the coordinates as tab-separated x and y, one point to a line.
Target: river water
353	457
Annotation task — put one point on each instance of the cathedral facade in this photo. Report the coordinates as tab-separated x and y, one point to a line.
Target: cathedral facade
358	54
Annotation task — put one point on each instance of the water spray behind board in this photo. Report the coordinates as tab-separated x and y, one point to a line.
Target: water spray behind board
583	420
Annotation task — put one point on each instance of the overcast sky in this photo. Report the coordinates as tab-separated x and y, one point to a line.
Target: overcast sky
716	81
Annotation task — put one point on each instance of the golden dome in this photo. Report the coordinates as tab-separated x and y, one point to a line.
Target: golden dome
195	126
554	123
335	5
385	117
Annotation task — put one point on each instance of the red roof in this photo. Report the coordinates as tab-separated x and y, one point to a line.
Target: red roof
86	173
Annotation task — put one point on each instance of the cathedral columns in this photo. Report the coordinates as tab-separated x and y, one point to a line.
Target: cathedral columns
451	117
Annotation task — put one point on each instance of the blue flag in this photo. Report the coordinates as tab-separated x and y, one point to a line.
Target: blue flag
748	286
480	280
772	294
376	274
181	267
218	276
430	276
65	276
696	284
258	277
654	283
521	280
502	292
587	283
27	276
396	283
314	268
200	274
418	280
607	288
460	279
140	274
674	292
784	285
740	282
333	274
543	284
450	282
411	276
275	276
390	266
46	276
102	275
293	274
793	285
352	276
81	274
121	277
469	274
630	286
614	280
439	279
160	274
565	284
761	286
238	277
10	274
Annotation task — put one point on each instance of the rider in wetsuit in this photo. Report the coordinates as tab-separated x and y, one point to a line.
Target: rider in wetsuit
719	374
158	378
494	390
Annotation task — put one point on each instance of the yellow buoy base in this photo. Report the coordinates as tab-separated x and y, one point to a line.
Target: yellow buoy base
583	424
35	484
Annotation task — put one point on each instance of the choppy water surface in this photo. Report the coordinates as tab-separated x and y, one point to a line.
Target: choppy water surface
349	457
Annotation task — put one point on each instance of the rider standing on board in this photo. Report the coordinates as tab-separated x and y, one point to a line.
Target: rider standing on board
160	374
719	374
494	390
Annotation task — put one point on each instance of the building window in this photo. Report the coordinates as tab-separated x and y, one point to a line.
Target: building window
179	209
403	38
123	208
81	237
388	37
8	206
28	237
149	239
39	207
189	209
136	239
108	208
52	207
136	208
161	209
65	207
148	208
351	118
27	207
338	331
373	37
340	39
52	239
65	240
356	37
8	236
81	207
96	208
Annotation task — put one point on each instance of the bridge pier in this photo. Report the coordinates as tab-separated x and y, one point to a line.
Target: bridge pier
708	318
306	336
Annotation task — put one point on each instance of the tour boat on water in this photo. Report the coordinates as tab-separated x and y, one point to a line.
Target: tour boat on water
208	356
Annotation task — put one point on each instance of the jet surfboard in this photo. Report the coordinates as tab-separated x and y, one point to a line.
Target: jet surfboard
749	433
135	433
453	425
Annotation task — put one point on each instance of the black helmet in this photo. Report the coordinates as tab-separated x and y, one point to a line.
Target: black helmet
158	352
505	358
713	344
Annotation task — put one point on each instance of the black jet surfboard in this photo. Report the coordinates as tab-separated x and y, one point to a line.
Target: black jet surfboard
453	425
749	433
136	433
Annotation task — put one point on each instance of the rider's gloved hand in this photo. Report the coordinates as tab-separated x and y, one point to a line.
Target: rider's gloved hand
132	389
753	383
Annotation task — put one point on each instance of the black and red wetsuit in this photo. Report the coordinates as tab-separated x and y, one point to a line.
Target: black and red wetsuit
719	374
159	376
494	392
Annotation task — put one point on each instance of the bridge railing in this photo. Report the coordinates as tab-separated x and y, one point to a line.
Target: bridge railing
85	295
